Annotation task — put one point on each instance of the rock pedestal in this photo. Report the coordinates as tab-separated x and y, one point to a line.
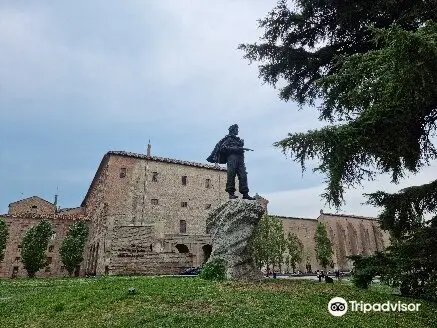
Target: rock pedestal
231	225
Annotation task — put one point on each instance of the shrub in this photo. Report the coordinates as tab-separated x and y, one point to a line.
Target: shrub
214	270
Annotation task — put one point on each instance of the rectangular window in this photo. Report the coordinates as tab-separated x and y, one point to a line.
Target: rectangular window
51	247
154	201
183	226
184	180
208	183
208	230
47	269
155	176
184	204
48	261
17	259
122	172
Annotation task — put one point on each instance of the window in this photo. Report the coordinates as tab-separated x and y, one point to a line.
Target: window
184	180
122	172
184	204
47	269
207	206
19	246
208	230
48	261
53	236
208	183
17	259
34	207
154	201
182	226
155	176
62	268
51	248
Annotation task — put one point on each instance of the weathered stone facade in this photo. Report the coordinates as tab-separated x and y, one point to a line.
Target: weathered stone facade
167	197
34	205
147	215
11	266
349	234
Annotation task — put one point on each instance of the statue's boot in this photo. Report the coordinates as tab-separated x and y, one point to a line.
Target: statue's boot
232	195
246	196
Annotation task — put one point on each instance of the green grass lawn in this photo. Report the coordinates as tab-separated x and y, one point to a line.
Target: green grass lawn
192	302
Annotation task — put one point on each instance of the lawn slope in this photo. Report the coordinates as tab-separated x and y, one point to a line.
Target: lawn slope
192	302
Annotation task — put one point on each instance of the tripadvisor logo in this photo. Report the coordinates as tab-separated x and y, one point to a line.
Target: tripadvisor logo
338	306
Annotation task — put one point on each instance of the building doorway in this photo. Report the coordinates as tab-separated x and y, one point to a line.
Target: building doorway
182	248
207	249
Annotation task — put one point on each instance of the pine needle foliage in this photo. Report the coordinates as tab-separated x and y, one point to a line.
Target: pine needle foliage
373	67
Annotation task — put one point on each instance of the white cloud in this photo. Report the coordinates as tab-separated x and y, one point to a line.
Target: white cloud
307	202
182	70
198	49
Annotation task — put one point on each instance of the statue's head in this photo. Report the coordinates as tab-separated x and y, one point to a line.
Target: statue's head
233	129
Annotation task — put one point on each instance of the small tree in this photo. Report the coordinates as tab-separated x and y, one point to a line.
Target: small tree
259	245
3	237
268	243
294	249
34	246
323	246
73	245
278	244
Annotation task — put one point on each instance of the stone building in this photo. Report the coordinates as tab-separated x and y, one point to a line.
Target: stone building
349	235
24	214
147	215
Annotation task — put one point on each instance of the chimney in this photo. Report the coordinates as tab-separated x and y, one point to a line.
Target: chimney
149	147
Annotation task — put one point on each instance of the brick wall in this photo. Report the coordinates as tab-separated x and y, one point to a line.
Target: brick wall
34	205
17	227
126	185
353	235
349	235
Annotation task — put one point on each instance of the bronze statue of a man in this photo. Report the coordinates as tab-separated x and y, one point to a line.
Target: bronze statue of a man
230	150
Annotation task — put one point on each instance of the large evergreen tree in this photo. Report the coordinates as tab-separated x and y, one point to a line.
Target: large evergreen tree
373	67
34	247
73	245
3	238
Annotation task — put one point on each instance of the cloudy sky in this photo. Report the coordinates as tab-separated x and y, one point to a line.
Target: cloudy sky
80	78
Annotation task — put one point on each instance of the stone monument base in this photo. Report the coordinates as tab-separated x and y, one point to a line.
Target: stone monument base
231	225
